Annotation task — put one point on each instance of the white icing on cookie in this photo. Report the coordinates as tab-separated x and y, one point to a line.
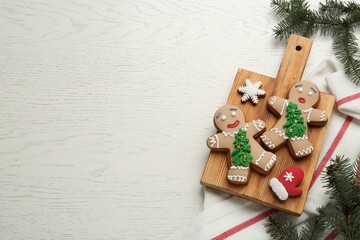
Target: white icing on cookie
278	189
260	123
245	127
288	176
267	141
231	134
299	138
322	116
237	178
286	103
307	111
214	140
272	100
305	151
257	128
270	163
278	132
239	167
257	162
251	91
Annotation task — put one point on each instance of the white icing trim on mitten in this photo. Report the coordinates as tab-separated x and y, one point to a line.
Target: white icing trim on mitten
306	151
270	163
267	141
278	189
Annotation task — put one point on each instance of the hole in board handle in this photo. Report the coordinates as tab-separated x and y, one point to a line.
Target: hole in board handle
298	48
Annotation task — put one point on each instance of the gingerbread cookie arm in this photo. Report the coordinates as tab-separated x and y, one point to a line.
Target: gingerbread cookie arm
317	117
255	127
217	141
277	105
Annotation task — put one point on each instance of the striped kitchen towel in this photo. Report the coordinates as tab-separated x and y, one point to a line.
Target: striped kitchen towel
229	217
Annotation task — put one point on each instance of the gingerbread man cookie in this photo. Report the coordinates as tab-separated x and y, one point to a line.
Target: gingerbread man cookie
296	115
237	138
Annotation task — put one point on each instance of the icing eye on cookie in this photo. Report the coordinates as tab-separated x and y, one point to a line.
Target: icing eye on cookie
233	114
300	90
310	93
223	117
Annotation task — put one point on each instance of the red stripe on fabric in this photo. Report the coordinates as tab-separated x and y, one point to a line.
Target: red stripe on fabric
348	99
332	235
244	225
317	173
331	150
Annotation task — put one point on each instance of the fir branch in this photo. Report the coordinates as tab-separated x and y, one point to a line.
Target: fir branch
279	228
332	216
314	228
281	7
334	18
342	183
336	7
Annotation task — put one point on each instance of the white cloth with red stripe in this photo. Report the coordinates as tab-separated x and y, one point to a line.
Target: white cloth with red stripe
229	217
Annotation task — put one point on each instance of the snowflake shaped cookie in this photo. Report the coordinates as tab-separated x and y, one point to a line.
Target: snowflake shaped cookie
251	91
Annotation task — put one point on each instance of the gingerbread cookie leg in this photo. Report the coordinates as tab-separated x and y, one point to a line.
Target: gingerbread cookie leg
300	146
263	160
238	174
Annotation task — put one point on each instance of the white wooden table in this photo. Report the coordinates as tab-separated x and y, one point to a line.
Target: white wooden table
106	105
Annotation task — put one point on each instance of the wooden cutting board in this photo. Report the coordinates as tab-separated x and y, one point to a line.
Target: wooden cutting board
257	189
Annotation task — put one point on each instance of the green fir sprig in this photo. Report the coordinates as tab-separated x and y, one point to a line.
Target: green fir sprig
335	19
342	182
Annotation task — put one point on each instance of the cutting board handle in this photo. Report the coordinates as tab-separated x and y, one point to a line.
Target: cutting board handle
293	63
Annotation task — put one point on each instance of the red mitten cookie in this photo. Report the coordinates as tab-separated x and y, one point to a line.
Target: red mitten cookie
296	115
237	138
285	184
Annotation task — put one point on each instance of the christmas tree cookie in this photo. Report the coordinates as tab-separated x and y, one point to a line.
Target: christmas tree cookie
237	138
296	115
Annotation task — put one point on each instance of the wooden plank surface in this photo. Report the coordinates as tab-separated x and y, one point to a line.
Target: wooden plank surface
257	189
96	99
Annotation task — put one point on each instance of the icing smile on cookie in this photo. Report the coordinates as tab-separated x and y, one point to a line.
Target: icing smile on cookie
301	100
233	125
